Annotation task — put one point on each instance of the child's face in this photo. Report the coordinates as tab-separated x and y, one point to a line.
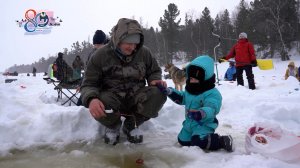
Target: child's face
193	80
291	67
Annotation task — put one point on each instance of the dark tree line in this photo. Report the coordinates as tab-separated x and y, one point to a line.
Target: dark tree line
272	26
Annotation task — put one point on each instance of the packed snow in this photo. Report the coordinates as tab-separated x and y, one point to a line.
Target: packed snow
37	131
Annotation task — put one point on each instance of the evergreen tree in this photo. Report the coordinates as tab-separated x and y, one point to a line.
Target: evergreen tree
242	22
281	20
187	39
152	42
226	32
206	24
169	29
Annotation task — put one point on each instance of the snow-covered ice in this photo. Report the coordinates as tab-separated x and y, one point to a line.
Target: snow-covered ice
36	131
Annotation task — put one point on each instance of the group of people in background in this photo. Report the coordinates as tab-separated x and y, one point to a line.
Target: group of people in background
244	55
63	72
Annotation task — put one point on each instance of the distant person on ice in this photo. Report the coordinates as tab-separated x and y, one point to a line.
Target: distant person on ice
77	65
34	71
244	54
202	103
230	74
114	83
63	71
60	67
292	70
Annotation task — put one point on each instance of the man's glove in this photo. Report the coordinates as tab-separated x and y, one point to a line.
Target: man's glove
223	59
196	115
254	63
164	90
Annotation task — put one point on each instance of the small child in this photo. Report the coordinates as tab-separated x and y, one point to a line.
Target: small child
230	74
292	70
202	103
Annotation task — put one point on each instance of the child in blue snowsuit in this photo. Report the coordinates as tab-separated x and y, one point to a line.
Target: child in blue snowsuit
230	74
202	103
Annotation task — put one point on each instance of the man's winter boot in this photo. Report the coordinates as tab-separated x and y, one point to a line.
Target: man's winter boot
112	135
134	135
130	128
226	143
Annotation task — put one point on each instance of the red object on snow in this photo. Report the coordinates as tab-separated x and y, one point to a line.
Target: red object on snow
272	141
139	161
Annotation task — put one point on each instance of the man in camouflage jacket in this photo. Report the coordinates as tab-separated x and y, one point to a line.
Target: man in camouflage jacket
115	83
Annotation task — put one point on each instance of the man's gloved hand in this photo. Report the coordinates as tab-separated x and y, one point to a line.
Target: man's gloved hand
164	90
254	63
196	115
223	59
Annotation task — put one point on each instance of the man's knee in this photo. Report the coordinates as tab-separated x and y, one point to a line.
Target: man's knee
152	101
111	119
110	101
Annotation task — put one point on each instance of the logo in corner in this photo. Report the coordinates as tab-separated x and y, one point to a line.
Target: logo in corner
38	22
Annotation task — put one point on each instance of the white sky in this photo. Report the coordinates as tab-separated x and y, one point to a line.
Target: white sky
80	20
42	133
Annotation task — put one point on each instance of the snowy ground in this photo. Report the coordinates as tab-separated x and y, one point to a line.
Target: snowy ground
36	131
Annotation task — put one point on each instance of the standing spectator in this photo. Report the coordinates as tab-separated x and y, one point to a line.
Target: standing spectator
292	70
230	74
34	71
114	83
77	65
99	40
244	54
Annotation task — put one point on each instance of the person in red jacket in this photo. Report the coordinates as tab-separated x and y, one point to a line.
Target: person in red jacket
244	54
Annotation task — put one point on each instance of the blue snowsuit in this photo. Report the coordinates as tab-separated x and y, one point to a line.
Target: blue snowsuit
230	74
197	133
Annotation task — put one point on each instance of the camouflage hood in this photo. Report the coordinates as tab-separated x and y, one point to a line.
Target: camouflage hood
124	28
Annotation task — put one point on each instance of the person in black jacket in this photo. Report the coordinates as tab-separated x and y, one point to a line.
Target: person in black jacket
99	40
62	68
34	71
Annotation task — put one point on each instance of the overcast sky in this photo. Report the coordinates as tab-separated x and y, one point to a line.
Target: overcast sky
80	20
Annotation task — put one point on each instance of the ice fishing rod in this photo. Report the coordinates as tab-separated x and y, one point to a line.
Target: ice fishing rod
244	63
226	38
218	45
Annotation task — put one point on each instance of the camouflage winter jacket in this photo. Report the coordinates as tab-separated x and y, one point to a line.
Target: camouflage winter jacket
122	75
